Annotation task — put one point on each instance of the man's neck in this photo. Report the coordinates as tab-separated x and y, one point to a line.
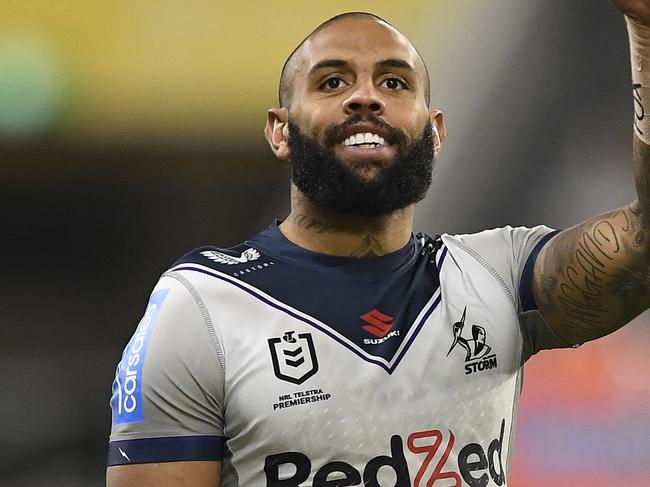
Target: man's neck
334	233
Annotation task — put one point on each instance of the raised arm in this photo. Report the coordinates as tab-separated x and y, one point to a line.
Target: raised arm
594	278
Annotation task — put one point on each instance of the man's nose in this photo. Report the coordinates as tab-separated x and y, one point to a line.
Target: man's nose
364	99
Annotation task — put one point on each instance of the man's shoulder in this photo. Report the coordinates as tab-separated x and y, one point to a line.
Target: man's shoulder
508	239
230	265
219	257
506	231
505	252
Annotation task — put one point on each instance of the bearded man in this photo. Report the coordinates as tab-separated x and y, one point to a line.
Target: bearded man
323	351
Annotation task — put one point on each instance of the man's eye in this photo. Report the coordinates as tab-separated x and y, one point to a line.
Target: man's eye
332	83
394	84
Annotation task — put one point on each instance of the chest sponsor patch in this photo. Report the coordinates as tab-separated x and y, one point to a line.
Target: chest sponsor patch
423	460
126	401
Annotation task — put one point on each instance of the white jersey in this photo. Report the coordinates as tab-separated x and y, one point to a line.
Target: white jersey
302	369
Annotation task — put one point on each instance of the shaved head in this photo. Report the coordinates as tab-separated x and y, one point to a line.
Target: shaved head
294	61
354	119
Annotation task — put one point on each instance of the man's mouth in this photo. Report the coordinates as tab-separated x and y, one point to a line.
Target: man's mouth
365	140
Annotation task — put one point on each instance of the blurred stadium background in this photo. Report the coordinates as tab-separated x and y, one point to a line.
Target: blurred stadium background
131	132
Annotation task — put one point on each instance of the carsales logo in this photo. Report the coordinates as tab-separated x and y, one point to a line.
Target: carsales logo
477	466
126	401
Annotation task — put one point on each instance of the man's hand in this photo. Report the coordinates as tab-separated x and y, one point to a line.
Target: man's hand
636	9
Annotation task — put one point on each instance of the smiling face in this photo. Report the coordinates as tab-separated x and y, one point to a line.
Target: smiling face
357	91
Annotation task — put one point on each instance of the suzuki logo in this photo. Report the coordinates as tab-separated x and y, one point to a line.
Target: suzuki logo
379	324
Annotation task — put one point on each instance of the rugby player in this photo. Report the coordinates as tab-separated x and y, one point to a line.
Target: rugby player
336	348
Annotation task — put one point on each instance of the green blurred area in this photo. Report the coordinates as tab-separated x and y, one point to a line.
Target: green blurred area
152	70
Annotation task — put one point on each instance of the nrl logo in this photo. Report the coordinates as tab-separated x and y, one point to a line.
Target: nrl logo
246	256
293	356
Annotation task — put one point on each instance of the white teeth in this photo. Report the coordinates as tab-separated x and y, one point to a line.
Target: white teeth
365	138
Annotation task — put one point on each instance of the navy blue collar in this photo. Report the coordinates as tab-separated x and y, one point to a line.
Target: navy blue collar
272	242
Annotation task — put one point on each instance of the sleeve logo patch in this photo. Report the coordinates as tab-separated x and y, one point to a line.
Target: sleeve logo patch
126	401
477	352
246	256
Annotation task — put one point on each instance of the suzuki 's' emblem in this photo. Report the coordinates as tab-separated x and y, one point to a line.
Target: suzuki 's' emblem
379	324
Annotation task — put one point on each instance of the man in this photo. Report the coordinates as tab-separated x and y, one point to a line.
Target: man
323	352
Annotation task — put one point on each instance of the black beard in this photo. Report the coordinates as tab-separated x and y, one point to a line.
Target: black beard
321	176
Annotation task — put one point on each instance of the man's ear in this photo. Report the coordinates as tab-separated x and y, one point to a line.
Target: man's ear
276	132
439	131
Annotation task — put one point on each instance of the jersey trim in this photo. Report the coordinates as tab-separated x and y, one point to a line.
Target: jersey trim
441	259
388	366
526	283
276	245
165	449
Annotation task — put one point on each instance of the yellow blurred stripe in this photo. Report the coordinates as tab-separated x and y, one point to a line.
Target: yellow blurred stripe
189	68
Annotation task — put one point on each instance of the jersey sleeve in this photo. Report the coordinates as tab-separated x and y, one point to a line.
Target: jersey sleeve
510	253
167	398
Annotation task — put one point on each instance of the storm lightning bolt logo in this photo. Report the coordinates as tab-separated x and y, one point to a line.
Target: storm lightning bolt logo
124	455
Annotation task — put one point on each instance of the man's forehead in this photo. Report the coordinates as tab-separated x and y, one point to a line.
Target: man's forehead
361	38
358	40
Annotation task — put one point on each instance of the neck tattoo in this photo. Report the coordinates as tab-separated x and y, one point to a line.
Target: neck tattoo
369	249
314	225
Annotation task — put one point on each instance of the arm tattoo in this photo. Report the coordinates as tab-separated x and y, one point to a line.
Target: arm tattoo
595	277
548	284
603	281
581	289
632	283
639	235
639	109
